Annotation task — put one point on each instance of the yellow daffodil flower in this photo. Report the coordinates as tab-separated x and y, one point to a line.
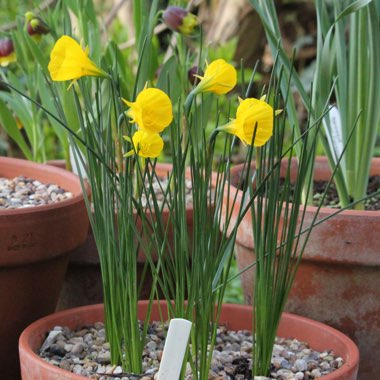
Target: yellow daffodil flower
145	144
68	61
219	78
152	111
252	114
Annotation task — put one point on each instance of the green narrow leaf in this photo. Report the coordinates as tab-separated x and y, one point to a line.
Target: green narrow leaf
40	56
113	57
21	109
9	124
47	101
354	7
169	74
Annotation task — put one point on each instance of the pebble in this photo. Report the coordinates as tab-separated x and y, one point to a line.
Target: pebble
22	192
104	357
64	364
77	348
160	189
301	365
56	349
316	373
68	347
85	352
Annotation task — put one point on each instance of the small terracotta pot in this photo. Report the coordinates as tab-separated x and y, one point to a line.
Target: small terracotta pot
34	247
237	317
338	280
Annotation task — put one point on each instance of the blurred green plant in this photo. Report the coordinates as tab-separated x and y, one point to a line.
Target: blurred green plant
36	133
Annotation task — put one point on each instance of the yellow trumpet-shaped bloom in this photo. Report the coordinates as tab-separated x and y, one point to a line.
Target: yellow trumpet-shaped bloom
146	144
68	61
152	111
254	121
219	78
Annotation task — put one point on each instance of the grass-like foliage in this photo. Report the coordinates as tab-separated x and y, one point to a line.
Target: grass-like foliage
346	74
119	133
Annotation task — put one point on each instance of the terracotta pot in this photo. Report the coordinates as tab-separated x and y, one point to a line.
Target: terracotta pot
57	163
34	247
83	283
237	317
338	280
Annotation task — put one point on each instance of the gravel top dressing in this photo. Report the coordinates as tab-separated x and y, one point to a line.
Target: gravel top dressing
86	353
22	192
160	188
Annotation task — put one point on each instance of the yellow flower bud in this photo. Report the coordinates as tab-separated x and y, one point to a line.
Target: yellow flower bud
152	111
68	61
145	144
220	77
180	20
254	119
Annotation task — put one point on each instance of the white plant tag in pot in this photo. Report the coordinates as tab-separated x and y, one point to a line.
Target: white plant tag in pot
174	349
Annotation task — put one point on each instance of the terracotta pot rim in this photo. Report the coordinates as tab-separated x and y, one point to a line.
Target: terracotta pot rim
77	194
351	247
53	319
326	211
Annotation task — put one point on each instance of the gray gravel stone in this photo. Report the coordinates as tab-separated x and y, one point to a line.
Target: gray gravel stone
86	353
78	348
300	365
21	192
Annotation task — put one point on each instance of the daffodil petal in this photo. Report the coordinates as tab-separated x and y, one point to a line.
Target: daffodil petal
147	145
152	111
68	61
220	77
253	123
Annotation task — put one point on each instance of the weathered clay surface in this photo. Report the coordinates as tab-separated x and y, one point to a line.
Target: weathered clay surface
34	247
338	280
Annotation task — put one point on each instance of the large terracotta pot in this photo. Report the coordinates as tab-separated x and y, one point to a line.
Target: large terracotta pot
34	247
338	280
83	282
237	317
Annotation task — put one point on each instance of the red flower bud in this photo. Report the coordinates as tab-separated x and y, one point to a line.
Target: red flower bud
7	52
35	26
6	47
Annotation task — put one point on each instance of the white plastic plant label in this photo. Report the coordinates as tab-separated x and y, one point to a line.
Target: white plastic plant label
174	349
333	129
